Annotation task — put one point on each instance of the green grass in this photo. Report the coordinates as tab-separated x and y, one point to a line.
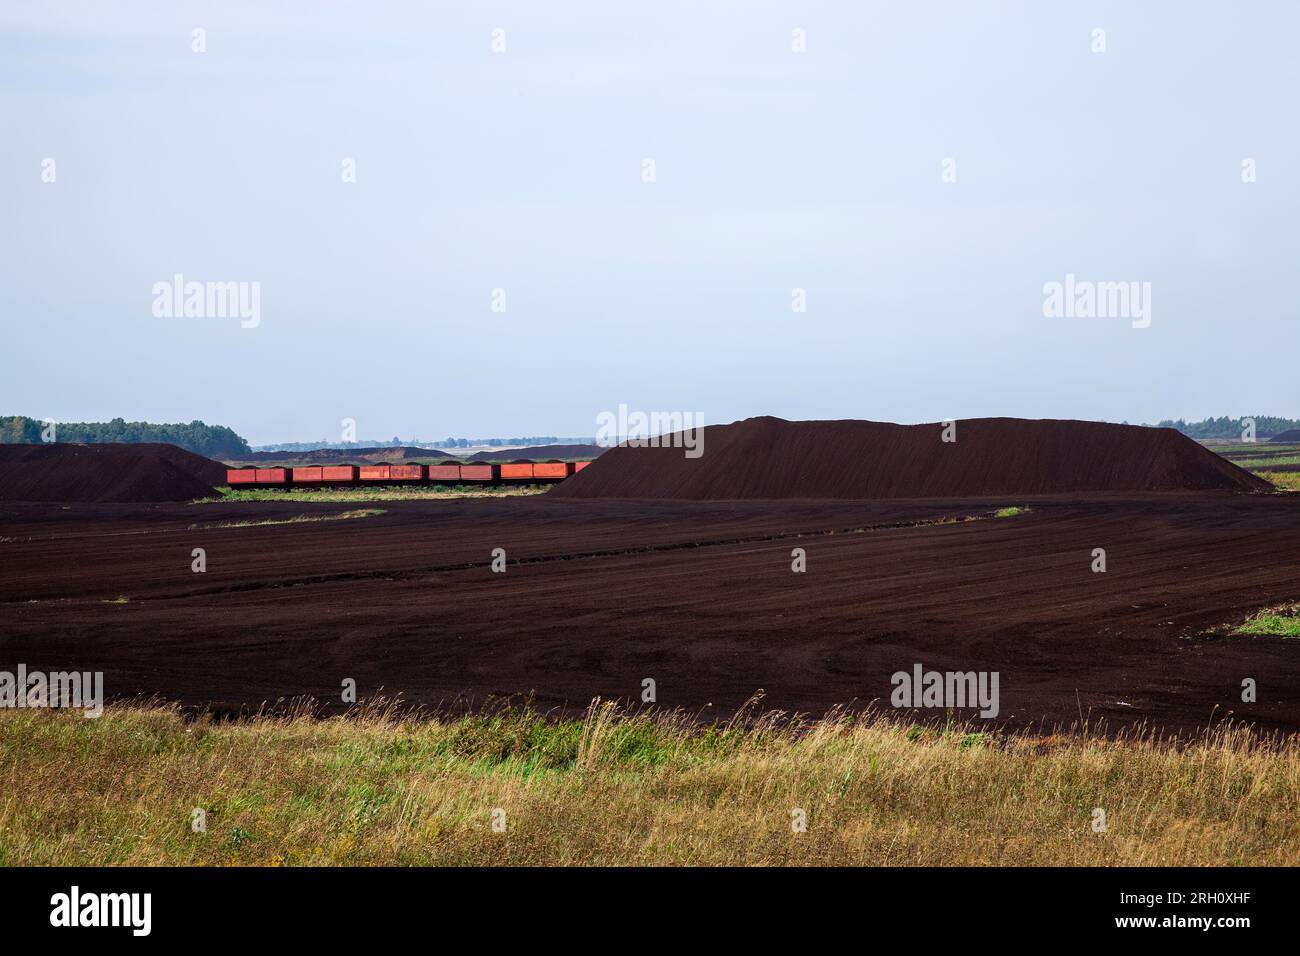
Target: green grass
1281	621
1010	512
1263	461
375	788
1257	448
385	493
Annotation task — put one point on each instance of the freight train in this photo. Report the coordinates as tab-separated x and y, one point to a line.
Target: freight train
449	474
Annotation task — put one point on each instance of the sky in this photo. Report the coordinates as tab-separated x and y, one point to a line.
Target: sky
920	171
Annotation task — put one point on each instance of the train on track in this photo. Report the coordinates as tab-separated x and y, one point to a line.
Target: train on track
531	472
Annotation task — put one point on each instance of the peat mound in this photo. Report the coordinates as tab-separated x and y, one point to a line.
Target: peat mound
106	472
773	458
1290	435
539	453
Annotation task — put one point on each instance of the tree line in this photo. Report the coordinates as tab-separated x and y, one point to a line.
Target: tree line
1231	427
424	443
214	441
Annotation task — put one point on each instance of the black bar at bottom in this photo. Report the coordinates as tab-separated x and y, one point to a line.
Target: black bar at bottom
933	906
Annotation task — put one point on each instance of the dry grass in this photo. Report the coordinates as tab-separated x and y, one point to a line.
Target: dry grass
1281	480
614	789
297	519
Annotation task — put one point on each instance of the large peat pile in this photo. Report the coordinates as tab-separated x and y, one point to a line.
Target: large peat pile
105	472
773	458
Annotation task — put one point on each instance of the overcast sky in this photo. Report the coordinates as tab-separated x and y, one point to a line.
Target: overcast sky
524	171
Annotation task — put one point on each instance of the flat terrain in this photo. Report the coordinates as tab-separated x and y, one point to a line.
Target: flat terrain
698	596
1275	462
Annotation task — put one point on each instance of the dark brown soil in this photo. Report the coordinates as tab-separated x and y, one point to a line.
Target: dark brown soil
698	596
107	472
773	458
1292	435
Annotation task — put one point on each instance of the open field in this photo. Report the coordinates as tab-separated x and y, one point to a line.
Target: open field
1259	456
607	789
1262	446
699	597
1265	461
1282	480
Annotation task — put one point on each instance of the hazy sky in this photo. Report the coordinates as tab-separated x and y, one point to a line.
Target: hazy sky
523	171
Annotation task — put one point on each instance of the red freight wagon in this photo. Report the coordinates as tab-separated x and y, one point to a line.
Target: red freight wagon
478	472
444	472
407	472
516	470
339	473
272	476
376	472
307	476
551	469
241	476
579	465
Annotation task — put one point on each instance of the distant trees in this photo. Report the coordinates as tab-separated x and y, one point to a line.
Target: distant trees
19	430
1231	427
214	441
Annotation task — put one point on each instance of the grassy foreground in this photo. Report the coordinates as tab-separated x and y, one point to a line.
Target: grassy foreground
612	789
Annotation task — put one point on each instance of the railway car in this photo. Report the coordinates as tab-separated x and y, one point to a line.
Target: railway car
344	473
315	475
552	470
272	476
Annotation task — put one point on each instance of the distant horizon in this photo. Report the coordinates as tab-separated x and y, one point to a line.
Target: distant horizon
573	440
1284	423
